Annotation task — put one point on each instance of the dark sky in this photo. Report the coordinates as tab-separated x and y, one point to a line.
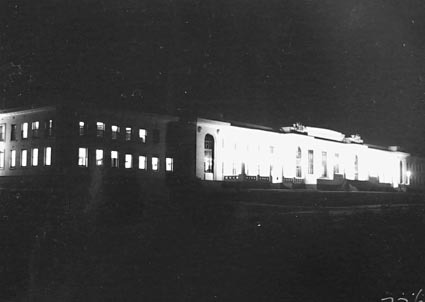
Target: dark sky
348	65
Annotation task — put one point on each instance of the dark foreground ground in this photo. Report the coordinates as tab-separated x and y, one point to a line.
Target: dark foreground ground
198	248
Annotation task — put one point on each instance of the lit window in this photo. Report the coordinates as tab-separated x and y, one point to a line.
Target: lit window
13	133
128	161
298	172
336	165
35	126
1	159
24	132
114	159
155	163
100	129
324	164
169	162
49	127
310	162
34	157
48	156
356	167
142	162
99	157
127	133
24	158
2	132
155	136
13	159
209	153
82	128
115	131
83	160
142	135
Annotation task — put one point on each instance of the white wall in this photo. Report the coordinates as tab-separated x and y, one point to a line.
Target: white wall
267	153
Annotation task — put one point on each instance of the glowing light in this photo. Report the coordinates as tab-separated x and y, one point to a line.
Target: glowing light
408	174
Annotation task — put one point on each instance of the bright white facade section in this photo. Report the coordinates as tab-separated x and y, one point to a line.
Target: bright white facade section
225	151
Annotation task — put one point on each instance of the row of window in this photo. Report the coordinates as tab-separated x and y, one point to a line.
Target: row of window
83	160
24	128
324	164
129	132
209	159
26	157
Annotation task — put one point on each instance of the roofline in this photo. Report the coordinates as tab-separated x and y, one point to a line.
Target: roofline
21	110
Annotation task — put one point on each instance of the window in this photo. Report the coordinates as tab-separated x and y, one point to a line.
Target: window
115	131
13	159
169	164
83	159
128	133
142	135
24	131
35	126
128	161
13	133
155	163
48	125
310	162
114	159
24	158
336	164
48	156
100	129
324	164
82	128
209	154
142	162
2	132
34	157
155	136
1	159
99	157
356	167
298	172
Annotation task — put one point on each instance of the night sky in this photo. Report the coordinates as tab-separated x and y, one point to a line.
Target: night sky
356	66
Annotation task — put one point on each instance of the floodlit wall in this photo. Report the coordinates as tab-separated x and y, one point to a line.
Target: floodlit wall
246	152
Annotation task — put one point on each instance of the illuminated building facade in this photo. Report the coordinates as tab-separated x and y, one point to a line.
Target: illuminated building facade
64	145
297	156
67	146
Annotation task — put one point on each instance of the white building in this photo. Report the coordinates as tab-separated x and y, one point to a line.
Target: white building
310	156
